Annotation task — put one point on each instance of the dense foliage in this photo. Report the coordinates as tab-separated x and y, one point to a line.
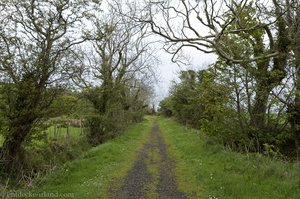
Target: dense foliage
216	101
72	63
57	73
258	51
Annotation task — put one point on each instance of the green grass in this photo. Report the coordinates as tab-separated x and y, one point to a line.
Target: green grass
62	135
207	171
91	175
74	132
62	132
203	170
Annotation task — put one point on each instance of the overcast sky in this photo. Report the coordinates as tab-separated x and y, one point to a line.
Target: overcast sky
168	71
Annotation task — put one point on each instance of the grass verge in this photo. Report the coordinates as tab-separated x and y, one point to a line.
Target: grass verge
207	171
91	175
62	132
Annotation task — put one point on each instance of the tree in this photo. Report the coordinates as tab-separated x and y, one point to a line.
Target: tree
236	31
121	62
165	107
292	20
185	99
203	25
36	42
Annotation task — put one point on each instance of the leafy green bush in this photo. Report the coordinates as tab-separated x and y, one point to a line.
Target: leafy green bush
96	129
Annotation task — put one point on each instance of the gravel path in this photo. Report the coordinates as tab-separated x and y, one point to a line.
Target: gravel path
152	175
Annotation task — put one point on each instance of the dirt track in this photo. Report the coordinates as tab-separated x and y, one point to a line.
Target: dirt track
152	175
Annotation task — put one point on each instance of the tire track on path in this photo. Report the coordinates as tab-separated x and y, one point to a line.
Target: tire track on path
152	175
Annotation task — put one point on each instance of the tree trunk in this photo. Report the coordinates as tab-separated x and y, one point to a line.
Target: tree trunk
23	114
81	133
238	102
11	153
258	112
267	80
260	106
295	121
